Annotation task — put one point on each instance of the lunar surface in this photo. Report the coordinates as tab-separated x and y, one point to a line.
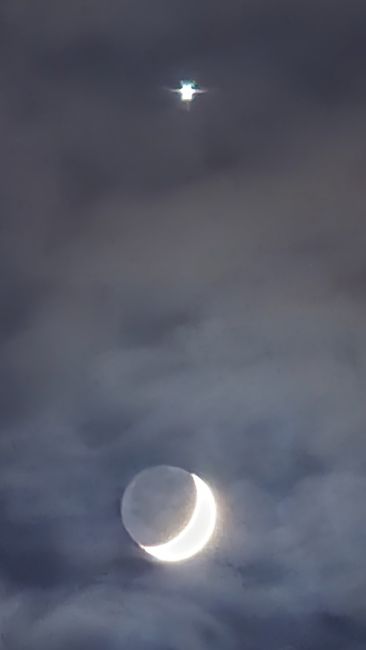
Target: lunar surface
170	513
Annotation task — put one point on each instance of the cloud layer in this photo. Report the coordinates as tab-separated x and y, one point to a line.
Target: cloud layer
185	289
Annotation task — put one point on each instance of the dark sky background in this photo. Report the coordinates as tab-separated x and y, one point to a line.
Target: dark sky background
183	288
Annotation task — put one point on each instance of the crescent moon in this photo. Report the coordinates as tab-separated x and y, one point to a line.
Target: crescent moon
196	533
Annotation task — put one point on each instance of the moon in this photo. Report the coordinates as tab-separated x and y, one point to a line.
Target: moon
160	487
195	535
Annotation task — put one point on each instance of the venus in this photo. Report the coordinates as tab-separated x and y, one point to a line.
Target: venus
196	532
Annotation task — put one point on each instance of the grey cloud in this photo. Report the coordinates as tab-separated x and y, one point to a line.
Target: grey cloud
101	616
183	289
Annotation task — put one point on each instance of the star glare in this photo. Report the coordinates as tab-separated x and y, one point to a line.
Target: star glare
187	91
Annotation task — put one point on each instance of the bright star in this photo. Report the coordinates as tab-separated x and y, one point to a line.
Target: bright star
187	91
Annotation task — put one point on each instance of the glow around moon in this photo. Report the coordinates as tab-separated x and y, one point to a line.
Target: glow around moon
196	534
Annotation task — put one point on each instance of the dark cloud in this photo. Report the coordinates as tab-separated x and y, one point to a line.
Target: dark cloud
185	289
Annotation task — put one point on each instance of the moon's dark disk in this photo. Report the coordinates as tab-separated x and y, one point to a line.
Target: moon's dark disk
157	504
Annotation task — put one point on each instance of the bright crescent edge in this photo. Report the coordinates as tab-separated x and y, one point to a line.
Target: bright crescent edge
205	508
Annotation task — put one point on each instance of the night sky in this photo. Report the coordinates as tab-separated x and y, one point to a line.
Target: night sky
186	288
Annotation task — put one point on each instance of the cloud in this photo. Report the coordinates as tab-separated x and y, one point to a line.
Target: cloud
184	289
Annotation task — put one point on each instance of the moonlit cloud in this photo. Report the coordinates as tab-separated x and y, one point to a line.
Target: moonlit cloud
185	289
